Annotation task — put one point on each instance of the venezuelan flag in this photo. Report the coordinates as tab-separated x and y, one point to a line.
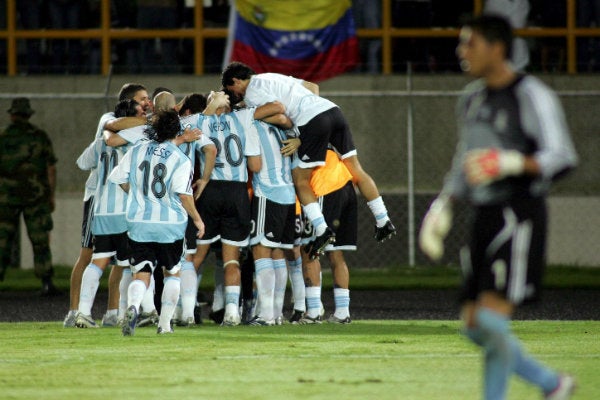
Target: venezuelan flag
309	39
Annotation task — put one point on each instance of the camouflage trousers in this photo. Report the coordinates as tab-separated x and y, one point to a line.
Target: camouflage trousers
38	220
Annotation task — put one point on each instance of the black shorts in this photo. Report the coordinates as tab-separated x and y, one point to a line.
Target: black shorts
506	253
340	210
329	127
86	224
272	223
107	246
225	209
154	254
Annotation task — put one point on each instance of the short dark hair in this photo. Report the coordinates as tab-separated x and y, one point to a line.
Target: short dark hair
129	90
494	29
194	102
237	70
165	126
126	108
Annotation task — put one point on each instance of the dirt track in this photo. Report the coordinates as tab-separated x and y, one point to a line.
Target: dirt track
398	304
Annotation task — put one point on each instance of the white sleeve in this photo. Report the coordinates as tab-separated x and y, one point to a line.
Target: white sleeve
259	93
89	158
182	178
133	135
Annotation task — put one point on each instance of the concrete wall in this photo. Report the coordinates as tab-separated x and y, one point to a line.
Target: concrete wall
69	107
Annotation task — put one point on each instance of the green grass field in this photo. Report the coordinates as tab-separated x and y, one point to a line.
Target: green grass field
364	360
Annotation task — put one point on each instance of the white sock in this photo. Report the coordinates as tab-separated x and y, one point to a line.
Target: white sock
123	286
189	287
313	301
219	292
232	300
341	298
265	284
148	299
315	216
89	286
379	211
111	312
169	298
280	286
297	281
135	293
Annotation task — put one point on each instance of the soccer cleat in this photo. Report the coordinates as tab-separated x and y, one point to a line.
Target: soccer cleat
110	320
258	321
147	319
306	320
231	320
161	331
384	232
69	321
186	322
564	390
335	320
131	316
316	247
217	316
296	317
279	320
85	321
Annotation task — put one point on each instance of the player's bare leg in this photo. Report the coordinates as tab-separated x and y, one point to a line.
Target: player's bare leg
323	234
384	229
233	280
85	257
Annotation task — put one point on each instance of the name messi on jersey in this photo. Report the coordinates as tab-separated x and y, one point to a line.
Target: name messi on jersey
159	152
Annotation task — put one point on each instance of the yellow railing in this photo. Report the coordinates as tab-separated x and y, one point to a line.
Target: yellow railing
105	33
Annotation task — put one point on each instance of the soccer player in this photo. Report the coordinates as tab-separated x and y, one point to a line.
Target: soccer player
320	123
514	142
333	185
158	177
108	225
273	220
224	203
138	93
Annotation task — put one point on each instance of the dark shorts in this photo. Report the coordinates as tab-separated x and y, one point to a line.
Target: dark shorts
225	209
86	225
341	215
506	253
107	246
329	127
148	255
272	223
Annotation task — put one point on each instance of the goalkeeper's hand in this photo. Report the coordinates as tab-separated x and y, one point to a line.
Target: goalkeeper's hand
435	227
483	166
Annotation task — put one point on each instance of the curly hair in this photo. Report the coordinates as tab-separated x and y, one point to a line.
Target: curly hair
165	126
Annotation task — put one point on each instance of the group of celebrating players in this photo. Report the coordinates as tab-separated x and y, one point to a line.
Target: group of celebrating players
169	181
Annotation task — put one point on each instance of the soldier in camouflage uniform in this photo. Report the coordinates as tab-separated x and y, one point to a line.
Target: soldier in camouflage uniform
27	183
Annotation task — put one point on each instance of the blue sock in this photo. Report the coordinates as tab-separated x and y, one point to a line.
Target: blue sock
532	370
499	357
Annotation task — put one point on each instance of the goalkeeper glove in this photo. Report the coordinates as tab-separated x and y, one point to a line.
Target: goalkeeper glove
435	227
483	166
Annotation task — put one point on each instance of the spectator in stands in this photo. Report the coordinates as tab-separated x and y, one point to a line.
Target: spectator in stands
516	12
588	49
66	53
367	14
158	56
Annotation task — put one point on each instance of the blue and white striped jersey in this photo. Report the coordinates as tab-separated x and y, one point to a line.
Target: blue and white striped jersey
157	173
90	183
195	147
109	199
274	180
229	132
